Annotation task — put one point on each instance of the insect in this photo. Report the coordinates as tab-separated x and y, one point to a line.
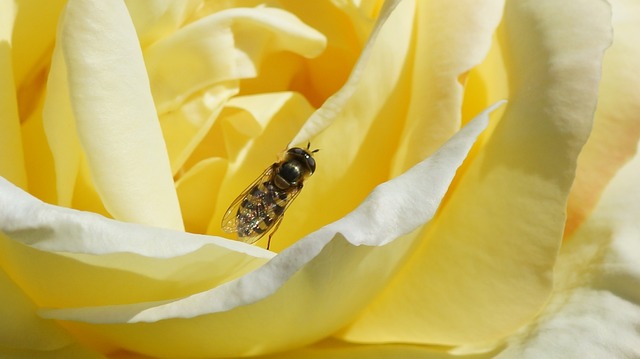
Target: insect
259	209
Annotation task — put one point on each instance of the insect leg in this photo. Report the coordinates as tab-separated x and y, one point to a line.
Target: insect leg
275	228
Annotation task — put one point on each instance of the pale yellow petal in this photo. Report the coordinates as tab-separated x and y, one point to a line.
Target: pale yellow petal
354	129
346	29
216	49
617	123
21	327
59	126
334	349
111	262
302	295
485	266
365	68
75	351
115	115
11	153
33	39
156	19
39	161
185	127
596	301
443	55
198	191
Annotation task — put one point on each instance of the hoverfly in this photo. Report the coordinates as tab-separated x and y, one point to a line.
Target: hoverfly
259	209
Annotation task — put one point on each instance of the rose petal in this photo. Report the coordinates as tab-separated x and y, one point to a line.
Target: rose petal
305	293
616	127
332	108
33	35
11	154
444	54
112	262
212	50
354	155
186	127
38	158
334	349
597	295
115	116
156	19
75	351
198	192
60	129
485	267
21	327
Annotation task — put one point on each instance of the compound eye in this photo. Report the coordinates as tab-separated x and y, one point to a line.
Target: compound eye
311	163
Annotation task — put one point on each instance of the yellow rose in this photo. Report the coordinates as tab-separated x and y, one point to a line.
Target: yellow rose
127	128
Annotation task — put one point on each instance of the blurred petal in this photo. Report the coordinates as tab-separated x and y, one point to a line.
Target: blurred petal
333	349
597	295
485	267
112	262
617	123
444	54
11	154
213	50
345	264
115	116
74	351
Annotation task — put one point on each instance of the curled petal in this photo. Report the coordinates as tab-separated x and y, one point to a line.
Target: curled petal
115	116
485	267
112	262
156	19
212	50
444	54
616	127
597	295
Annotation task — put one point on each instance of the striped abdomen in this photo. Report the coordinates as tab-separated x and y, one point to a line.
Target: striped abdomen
260	210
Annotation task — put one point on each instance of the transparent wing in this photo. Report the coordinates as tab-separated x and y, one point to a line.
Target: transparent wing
291	195
229	223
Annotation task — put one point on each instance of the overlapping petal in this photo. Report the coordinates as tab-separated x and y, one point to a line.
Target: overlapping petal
310	277
444	53
114	115
485	267
157	19
596	301
112	262
617	123
212	50
11	153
